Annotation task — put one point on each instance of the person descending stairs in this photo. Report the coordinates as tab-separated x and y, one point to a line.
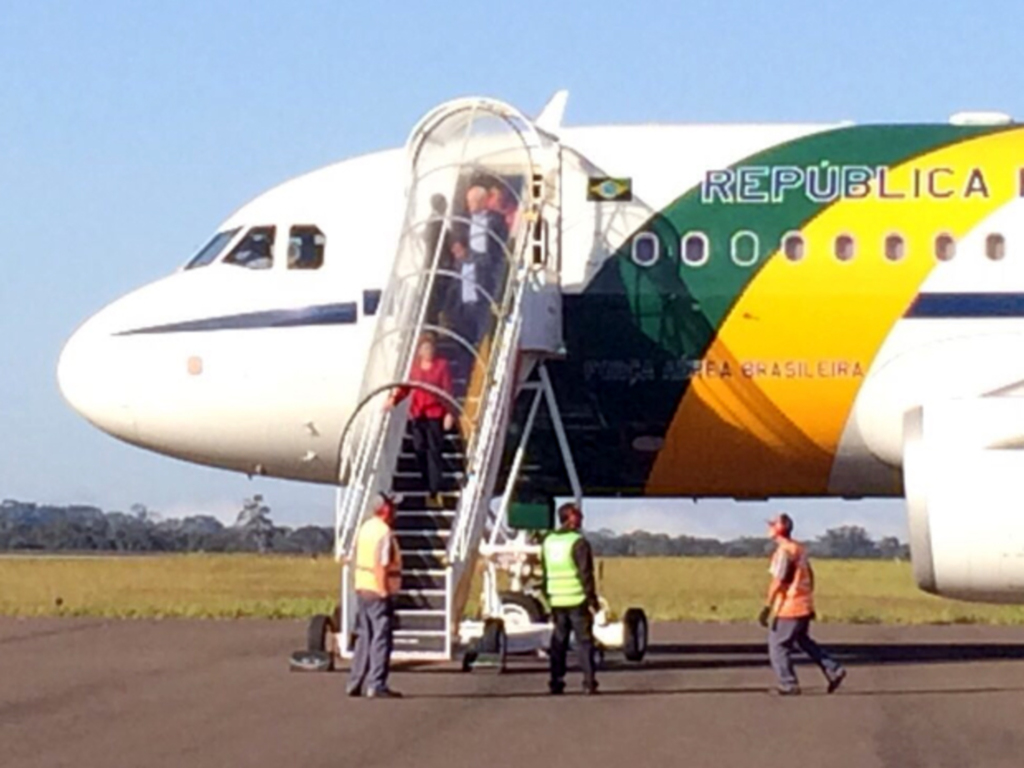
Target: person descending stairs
429	367
430	411
429	473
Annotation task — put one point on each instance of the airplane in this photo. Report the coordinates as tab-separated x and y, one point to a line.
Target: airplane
738	311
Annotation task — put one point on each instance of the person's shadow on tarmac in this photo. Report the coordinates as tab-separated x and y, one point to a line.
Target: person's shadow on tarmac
668	657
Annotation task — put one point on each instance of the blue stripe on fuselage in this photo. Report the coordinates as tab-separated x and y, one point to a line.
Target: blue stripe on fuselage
327	314
966	305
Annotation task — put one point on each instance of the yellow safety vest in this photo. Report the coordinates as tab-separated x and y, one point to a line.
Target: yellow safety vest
562	580
374	535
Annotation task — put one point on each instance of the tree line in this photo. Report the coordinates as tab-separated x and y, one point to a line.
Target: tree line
846	542
31	527
28	527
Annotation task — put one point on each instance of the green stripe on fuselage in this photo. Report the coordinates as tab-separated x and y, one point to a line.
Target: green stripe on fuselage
628	331
699	298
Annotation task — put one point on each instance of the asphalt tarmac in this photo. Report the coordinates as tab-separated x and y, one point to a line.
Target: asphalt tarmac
80	692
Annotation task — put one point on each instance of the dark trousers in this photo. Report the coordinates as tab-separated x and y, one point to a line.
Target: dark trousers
371	662
472	320
428	443
579	622
785	636
468	322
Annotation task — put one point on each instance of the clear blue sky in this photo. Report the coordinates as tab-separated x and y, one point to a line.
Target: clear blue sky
128	131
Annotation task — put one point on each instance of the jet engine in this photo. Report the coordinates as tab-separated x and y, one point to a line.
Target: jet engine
963	469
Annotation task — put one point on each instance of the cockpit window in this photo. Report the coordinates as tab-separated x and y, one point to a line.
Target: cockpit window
306	247
255	250
209	252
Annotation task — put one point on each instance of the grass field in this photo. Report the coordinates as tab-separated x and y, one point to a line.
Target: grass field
235	586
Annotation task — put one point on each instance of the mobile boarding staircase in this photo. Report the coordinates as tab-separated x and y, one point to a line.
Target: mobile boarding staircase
460	145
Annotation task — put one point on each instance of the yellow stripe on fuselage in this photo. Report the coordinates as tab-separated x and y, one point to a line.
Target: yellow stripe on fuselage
766	430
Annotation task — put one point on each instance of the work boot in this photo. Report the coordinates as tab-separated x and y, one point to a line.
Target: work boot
835	680
434	501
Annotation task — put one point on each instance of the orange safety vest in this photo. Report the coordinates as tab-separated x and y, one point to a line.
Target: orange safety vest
374	536
797	599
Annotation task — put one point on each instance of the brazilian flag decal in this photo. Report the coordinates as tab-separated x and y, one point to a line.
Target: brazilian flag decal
608	190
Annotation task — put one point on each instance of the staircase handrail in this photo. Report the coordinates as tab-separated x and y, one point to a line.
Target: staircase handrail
345	523
360	460
480	455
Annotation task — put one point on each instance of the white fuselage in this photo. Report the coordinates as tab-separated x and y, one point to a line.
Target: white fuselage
254	392
274	400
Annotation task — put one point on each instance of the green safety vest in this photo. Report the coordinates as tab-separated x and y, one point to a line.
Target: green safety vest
563	584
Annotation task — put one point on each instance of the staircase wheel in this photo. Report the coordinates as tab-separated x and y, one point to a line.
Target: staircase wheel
518	608
318	635
634	634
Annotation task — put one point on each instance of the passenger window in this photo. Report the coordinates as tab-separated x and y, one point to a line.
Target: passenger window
255	250
894	248
745	249
945	247
209	252
371	301
646	249
844	247
793	246
306	248
995	247
695	249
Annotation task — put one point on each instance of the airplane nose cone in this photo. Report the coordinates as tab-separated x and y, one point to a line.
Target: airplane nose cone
92	377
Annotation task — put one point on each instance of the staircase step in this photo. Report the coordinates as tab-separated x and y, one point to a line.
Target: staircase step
423	559
418	656
424	521
407	483
408	465
453	436
422	580
448	454
432	599
419	621
419	633
424	511
420	540
417	502
452	444
418	643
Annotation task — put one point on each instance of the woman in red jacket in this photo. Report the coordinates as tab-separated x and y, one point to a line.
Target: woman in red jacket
429	415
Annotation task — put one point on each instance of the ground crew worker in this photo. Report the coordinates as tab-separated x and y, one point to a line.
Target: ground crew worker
569	585
378	577
789	609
